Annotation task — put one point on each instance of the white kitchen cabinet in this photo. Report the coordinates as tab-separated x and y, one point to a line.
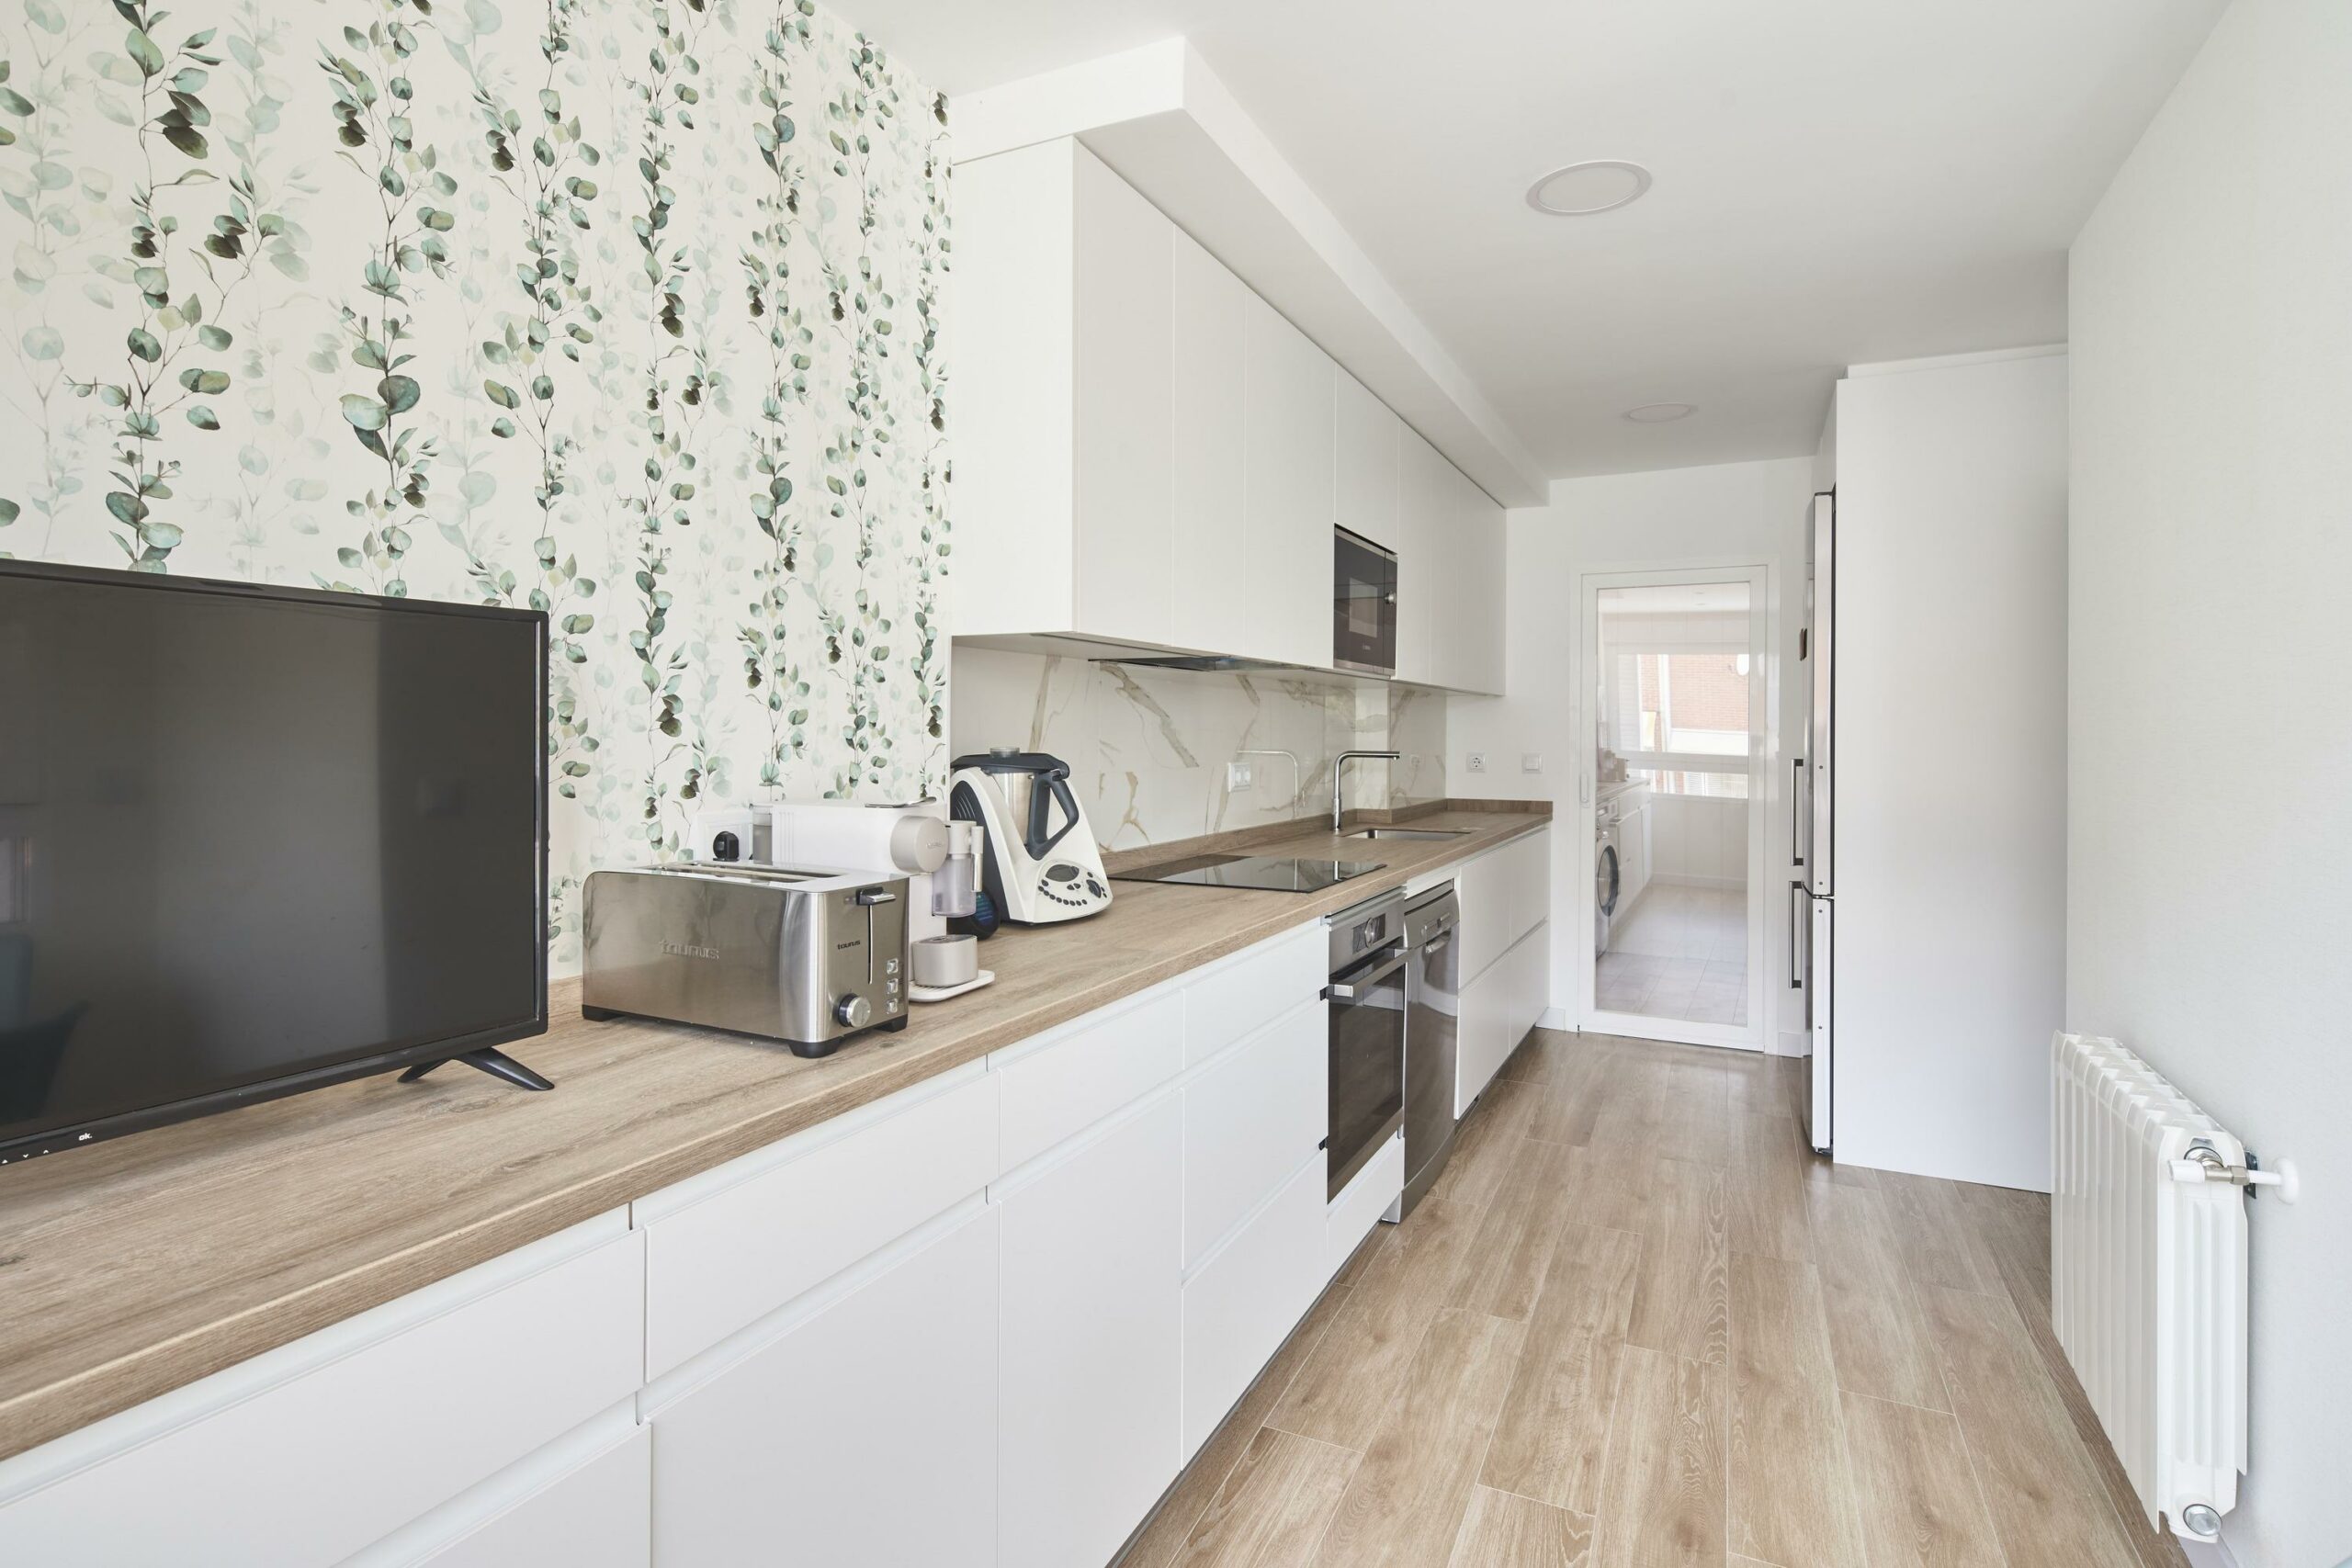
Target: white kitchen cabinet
1423	594
310	1453
1289	397
1503	894
1449	574
1249	1119
1634	861
1064	520
1208	313
1369	435
1242	1301
590	1512
1497	1010
1089	1348
863	1432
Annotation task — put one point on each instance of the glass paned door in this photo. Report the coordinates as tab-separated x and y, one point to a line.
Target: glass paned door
1675	683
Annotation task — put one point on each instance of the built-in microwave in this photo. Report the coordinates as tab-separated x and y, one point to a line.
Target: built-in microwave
1364	605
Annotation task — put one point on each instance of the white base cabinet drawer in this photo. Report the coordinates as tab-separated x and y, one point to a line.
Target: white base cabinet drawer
864	1434
1249	1119
1244	993
1363	1203
1060	1084
727	1247
1090	1345
307	1453
1243	1301
596	1513
1497	1010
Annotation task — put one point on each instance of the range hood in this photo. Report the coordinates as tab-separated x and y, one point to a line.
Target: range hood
1214	663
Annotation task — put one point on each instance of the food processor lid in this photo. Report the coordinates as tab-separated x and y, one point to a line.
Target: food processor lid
1005	760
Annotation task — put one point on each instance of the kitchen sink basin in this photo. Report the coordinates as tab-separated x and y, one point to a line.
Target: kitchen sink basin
1406	833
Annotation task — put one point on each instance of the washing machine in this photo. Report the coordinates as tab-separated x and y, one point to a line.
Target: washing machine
1604	876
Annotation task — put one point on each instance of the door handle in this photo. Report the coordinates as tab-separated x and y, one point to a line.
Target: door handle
1354	988
1796	809
1799	919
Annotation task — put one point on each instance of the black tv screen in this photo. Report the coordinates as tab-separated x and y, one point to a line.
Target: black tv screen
255	840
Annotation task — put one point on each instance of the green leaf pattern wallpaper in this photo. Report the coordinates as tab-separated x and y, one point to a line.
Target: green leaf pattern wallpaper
628	309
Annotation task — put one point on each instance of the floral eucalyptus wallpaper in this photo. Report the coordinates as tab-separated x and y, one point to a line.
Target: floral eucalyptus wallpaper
627	309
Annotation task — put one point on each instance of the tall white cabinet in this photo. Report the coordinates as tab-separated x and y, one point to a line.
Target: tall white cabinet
1150	456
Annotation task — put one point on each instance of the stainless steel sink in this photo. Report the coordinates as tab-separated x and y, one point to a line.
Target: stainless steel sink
1406	833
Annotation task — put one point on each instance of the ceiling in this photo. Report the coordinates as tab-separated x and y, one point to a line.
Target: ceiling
1837	181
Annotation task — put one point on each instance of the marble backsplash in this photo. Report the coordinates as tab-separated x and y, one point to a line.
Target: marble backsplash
1147	749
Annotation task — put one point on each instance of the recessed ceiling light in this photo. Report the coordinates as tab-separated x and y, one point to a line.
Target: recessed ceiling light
1601	184
1661	413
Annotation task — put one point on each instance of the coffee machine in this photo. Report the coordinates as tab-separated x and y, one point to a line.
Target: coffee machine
1040	864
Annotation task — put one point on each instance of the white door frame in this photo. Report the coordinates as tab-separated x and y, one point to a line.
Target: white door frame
1763	728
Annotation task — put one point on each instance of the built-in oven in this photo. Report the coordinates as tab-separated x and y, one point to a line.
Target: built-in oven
1364	605
1367	1032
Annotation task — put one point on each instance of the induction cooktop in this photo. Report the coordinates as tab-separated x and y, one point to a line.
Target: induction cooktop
1266	873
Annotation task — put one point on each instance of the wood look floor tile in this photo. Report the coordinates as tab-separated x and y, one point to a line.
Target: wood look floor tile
1553	1435
1679	1210
1547	1185
1878	1339
1544	1056
1663	1494
1937	1234
1346	1384
1769	1214
1274	1506
1694	1120
1162	1539
1405	1503
1792	1494
1508	1531
2043	1488
1921	1503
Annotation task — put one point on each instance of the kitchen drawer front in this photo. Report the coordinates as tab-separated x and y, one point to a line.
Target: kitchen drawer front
863	1432
1249	1118
310	1453
1501	894
1497	1010
573	1512
1532	882
1349	1218
1242	1303
722	1254
1064	1082
1242	994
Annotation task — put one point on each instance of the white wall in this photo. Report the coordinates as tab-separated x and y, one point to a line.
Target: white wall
1731	512
2210	712
1950	850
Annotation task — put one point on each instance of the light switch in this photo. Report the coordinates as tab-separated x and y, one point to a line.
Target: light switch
1530	762
1236	778
1477	761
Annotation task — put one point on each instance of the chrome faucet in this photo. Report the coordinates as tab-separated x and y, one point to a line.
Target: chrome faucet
1338	772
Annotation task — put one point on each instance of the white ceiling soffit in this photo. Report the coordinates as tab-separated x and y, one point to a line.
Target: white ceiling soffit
1160	118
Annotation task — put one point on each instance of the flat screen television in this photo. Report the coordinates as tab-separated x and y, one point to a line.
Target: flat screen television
255	841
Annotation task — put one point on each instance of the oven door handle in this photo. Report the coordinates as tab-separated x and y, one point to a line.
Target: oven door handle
1354	988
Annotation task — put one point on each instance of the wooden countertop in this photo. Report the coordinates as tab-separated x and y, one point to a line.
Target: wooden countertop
131	1268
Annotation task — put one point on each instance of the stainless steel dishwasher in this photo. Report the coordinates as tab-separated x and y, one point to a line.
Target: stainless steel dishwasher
1432	993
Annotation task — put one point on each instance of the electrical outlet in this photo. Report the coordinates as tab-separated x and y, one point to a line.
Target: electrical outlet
1236	778
1477	761
1530	762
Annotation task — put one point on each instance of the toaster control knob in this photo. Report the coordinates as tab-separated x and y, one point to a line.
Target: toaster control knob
853	1011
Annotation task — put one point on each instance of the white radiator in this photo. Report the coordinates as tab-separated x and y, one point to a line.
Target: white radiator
2148	1270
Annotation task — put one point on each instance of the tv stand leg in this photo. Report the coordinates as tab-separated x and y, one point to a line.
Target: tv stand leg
491	1060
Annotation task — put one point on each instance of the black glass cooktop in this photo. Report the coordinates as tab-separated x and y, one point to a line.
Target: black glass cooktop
1262	872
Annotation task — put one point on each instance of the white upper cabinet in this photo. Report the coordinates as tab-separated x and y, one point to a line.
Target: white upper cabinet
1122	452
1150	456
1369	435
1209	313
1289	397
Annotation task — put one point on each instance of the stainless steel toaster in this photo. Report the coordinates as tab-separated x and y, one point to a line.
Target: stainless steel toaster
808	957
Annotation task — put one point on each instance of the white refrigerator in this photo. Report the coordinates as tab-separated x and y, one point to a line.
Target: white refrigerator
1812	924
